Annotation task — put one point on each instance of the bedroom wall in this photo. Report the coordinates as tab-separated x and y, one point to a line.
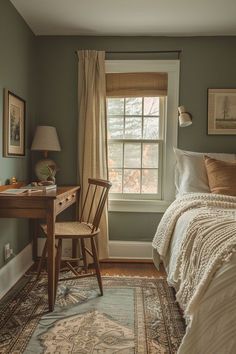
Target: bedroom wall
16	73
206	62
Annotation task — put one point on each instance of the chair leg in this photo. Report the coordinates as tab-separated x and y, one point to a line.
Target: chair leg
96	263
75	243
84	255
74	248
42	259
58	264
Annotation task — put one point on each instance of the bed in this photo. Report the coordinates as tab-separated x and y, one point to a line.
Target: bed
196	241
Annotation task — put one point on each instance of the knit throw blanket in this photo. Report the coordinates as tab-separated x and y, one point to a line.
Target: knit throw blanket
209	241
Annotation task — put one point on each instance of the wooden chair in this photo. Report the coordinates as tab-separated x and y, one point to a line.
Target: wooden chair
86	228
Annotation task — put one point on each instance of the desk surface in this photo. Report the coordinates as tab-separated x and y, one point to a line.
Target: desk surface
50	194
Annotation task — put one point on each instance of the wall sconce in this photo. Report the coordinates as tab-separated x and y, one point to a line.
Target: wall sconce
185	118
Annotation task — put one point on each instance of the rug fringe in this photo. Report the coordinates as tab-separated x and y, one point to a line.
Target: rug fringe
33	273
133	276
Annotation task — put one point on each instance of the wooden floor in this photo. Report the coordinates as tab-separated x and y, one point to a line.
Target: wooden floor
129	268
134	269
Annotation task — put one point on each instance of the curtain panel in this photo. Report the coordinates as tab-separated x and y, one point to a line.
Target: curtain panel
92	137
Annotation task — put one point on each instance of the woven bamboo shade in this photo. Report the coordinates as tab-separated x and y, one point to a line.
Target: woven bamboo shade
136	84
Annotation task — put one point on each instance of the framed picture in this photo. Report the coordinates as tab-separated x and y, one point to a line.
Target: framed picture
222	111
14	125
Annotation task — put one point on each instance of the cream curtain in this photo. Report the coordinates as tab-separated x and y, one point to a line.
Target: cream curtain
92	142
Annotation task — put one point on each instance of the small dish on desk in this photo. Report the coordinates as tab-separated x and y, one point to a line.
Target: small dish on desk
42	183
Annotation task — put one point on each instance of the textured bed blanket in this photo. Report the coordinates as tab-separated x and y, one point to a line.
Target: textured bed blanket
209	241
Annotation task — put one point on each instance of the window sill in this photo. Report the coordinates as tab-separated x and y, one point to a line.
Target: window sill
138	206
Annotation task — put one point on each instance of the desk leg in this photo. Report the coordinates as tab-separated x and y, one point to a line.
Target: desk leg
35	227
51	217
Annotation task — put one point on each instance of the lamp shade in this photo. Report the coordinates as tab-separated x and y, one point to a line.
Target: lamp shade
45	139
185	118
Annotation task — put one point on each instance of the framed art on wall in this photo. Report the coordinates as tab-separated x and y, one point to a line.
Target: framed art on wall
14	125
222	111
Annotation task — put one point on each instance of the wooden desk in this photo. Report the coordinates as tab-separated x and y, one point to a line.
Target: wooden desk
41	205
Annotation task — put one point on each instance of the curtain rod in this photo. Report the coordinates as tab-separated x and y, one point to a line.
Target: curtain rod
179	51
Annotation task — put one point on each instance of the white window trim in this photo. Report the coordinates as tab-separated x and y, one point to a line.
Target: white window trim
171	67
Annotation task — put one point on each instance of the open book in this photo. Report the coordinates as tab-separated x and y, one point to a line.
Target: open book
16	191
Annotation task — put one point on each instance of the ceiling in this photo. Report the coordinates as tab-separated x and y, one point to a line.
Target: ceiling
129	17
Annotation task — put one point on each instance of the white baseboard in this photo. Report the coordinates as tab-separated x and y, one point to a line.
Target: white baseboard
117	249
15	269
130	250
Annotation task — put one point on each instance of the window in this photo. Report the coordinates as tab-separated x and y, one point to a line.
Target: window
142	131
135	139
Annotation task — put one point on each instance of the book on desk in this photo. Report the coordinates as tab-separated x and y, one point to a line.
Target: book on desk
19	191
28	189
43	188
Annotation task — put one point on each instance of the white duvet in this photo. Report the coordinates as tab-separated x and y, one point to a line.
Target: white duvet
211	329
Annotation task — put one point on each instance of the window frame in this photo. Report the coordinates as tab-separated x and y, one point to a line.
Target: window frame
171	67
159	142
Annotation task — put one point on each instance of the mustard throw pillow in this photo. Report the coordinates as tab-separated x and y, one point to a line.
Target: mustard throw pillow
221	176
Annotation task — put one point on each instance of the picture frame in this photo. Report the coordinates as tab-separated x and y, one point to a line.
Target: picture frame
222	111
13	125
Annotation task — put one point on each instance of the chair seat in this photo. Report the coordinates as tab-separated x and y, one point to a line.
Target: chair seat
72	229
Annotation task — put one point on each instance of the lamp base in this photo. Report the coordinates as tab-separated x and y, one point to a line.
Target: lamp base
45	170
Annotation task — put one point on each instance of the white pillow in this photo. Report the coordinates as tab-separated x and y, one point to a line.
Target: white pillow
190	172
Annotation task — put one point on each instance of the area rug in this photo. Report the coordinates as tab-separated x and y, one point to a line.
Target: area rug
135	315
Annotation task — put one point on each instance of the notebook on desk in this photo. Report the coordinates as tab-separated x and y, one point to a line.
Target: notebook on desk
18	191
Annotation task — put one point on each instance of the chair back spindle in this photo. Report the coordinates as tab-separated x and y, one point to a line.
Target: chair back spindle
92	211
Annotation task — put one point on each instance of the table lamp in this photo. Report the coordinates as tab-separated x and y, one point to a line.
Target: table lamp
46	139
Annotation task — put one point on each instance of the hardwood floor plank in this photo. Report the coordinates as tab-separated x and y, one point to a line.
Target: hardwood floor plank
131	269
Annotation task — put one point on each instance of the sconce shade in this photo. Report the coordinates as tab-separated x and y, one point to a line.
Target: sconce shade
45	139
185	118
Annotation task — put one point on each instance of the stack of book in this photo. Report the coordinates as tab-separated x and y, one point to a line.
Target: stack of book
41	188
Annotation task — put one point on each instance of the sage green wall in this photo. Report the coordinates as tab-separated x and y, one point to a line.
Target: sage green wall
206	62
16	73
43	71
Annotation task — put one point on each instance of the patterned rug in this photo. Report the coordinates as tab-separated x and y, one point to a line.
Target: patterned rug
135	315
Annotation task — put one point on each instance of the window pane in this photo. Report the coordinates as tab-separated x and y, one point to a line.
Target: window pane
115	176
132	155
133	161
150	155
151	128
115	128
131	181
115	155
115	106
151	106
133	128
149	181
133	106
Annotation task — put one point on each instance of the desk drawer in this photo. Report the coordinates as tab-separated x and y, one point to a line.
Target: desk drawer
66	201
